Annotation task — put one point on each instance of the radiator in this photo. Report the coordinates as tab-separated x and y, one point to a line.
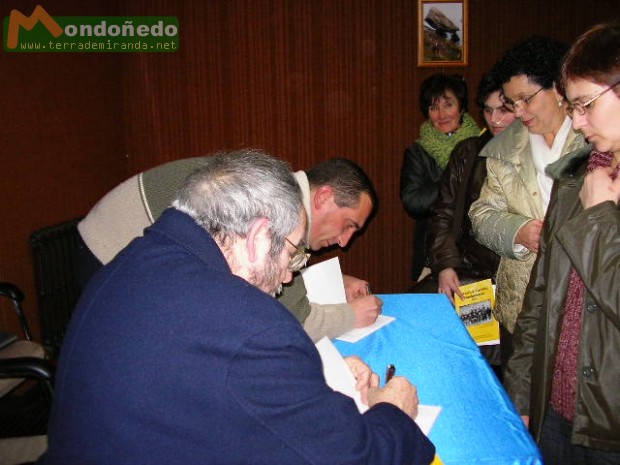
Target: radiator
58	291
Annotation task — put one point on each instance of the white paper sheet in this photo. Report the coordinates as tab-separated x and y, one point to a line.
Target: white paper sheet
339	377
356	334
427	416
324	285
324	282
337	373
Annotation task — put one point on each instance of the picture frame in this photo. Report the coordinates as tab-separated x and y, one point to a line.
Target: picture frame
443	33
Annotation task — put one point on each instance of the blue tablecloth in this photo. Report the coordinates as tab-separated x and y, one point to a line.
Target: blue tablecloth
429	345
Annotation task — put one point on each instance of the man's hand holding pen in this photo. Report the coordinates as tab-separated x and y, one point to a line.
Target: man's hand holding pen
355	288
367	307
366	310
397	390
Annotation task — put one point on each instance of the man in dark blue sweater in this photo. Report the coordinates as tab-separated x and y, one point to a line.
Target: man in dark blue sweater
178	353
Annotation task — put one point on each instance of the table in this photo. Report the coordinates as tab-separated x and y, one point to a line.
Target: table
478	423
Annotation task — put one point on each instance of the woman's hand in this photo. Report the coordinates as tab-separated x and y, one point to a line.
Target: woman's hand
449	284
529	235
598	187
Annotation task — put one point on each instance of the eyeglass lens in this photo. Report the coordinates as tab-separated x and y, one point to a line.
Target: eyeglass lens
582	108
299	258
519	103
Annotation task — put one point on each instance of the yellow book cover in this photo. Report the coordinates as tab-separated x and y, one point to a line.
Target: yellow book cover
476	313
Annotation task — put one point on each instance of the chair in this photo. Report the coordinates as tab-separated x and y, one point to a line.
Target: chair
26	391
23	417
58	290
16	348
24	411
16	296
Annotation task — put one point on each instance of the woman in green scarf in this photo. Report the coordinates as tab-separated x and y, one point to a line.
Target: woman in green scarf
443	101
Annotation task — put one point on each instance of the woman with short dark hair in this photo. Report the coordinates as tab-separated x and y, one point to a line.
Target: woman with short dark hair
508	216
443	102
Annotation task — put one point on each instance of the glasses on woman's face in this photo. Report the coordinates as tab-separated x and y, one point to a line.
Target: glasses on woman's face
520	103
299	258
583	108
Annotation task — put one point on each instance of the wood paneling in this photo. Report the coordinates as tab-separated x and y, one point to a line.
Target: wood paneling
61	145
302	79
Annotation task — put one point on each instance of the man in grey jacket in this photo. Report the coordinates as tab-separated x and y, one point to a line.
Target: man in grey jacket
338	197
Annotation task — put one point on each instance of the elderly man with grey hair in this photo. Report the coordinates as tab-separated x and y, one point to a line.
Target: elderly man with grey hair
178	353
338	198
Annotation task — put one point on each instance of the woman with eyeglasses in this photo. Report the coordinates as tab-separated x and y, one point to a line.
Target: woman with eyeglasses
443	103
508	216
564	376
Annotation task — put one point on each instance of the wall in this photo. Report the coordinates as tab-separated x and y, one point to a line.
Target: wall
61	144
303	79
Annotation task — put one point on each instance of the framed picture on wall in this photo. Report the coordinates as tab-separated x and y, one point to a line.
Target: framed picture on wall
443	34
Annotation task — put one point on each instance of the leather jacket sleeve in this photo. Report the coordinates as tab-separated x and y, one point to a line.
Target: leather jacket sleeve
444	251
596	230
518	372
419	182
452	244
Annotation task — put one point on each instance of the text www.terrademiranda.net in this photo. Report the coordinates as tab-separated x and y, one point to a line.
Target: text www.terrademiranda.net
103	46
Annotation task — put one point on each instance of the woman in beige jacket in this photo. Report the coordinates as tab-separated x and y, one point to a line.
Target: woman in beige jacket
508	216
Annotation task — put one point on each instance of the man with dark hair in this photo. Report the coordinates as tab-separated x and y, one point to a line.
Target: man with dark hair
178	353
338	197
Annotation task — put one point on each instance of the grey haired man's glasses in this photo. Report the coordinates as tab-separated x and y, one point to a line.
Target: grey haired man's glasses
299	258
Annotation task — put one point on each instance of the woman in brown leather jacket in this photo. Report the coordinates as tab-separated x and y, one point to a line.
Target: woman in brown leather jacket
455	257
